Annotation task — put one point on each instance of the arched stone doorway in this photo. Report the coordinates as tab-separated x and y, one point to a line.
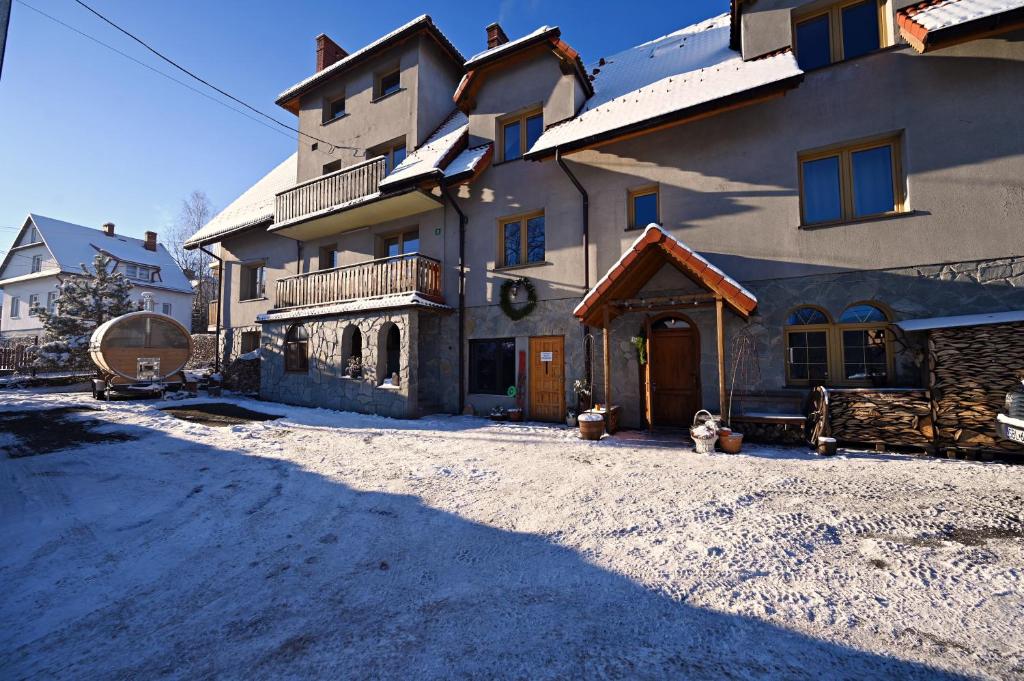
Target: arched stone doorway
674	370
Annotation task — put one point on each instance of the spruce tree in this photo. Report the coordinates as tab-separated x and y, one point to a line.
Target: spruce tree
84	301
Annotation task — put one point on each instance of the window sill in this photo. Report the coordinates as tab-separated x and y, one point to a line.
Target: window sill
858	221
388	386
252	300
513	268
506	161
381	98
880	50
328	121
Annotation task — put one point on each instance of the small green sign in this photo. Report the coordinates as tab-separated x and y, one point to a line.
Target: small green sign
511	392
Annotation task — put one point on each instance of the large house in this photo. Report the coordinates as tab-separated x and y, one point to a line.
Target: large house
47	250
485	230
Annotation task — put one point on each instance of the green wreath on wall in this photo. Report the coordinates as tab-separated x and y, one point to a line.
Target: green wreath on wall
509	291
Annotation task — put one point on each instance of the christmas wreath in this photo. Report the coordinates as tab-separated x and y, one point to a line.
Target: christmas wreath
509	291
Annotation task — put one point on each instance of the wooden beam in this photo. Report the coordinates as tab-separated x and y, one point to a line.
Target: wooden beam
720	329
648	408
665	300
607	362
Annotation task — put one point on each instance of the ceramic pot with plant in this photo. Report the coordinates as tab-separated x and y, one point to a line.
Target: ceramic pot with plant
354	368
515	414
570	418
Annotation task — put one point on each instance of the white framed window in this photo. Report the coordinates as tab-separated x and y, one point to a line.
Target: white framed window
37	263
33	305
51	302
165	308
15	307
137	272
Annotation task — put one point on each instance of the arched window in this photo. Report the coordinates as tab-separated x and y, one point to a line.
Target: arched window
352	351
389	353
867	355
807	335
296	348
670	323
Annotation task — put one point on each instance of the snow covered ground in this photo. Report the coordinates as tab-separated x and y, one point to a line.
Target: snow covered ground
334	545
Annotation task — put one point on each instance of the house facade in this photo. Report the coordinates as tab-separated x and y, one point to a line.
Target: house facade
46	250
485	231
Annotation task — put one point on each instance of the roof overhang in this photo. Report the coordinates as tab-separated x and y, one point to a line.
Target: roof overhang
916	32
982	319
651	251
344	218
690	114
192	244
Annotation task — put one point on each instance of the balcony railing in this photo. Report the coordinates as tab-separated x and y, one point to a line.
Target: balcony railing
335	189
412	273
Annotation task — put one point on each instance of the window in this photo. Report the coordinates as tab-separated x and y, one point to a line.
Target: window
328	257
521	240
492	365
33	305
844	31
393	155
405	243
388	83
334	110
392	355
137	272
332	167
518	133
296	345
252	284
250	341
15	307
31	236
851	182
643	207
165	308
865	346
37	263
807	341
51	302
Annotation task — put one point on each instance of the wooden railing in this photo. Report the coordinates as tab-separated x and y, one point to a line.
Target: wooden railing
335	189
411	273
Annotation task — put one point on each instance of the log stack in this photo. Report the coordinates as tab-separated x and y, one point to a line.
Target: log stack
970	371
890	416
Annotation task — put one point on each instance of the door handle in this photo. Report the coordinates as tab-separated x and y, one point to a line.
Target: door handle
654	386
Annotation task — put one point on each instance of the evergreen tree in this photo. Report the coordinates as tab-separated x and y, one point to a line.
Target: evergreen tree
84	301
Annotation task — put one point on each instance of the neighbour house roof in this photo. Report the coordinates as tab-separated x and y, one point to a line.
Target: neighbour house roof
73	245
674	78
983	319
430	159
642	260
939	23
545	35
254	207
289	99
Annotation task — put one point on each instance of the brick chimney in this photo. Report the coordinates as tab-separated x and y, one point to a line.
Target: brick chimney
495	36
327	52
150	244
108	228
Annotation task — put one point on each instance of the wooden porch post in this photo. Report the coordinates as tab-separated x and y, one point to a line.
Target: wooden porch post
720	328
607	363
648	407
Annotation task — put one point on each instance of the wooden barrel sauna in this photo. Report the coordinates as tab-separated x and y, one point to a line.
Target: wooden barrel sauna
141	347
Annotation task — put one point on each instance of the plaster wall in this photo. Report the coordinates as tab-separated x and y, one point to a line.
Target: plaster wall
279	255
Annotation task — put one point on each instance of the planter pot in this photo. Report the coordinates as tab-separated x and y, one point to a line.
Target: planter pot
731	442
515	414
499	417
723	431
827	446
591	426
570	421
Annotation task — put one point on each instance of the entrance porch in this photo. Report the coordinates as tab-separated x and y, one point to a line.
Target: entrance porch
663	311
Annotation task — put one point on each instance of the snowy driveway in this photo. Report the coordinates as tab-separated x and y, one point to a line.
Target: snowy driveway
329	545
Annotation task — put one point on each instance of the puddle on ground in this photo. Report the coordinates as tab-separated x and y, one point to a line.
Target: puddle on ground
218	414
41	431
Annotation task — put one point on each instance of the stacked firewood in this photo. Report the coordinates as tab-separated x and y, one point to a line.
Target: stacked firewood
891	417
970	371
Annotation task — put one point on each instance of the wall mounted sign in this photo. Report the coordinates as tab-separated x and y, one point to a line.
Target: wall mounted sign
547	357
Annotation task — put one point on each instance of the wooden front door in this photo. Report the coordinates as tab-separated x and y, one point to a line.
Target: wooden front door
547	378
675	385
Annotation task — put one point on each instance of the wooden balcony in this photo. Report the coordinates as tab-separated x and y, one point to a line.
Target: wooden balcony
411	273
329	191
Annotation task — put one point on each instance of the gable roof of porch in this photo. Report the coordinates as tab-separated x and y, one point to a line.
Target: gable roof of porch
642	260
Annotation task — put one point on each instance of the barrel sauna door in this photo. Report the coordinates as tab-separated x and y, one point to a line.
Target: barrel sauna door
547	378
675	389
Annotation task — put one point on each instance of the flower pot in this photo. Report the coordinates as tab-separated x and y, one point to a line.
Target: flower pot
731	442
827	446
724	430
570	420
591	426
515	414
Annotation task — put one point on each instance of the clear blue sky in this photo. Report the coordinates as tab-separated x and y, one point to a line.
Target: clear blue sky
88	136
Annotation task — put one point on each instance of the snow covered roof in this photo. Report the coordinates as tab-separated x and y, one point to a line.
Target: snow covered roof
421	22
431	157
72	245
469	161
493	52
983	319
664	79
253	207
924	24
358	305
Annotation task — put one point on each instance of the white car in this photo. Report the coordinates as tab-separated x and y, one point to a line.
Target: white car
1010	424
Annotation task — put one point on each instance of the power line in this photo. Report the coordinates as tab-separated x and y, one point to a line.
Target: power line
209	84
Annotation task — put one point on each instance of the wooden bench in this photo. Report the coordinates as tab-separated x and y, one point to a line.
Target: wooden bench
775	417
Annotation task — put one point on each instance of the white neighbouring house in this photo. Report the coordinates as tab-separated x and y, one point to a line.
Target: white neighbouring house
46	250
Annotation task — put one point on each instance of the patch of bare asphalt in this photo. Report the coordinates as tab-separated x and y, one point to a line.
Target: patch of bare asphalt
41	431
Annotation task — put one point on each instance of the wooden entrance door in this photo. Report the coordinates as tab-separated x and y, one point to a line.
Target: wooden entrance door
675	378
547	378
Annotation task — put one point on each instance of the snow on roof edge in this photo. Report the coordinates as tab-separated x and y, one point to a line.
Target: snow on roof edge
980	319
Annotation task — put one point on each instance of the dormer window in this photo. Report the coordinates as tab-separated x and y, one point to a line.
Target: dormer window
843	31
137	272
388	83
334	110
519	132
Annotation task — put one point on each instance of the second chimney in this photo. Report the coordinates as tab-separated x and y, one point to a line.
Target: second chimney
495	36
150	244
108	228
327	52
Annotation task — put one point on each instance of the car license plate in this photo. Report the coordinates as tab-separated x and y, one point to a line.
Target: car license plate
1015	434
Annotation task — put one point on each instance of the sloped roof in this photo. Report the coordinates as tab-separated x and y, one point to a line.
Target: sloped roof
927	25
470	162
255	206
72	245
666	79
422	22
433	155
494	52
644	257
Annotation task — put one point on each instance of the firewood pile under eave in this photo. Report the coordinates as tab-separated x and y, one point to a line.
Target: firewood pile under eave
900	418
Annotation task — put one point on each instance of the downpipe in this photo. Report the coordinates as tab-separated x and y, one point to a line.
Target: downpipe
588	351
463	220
